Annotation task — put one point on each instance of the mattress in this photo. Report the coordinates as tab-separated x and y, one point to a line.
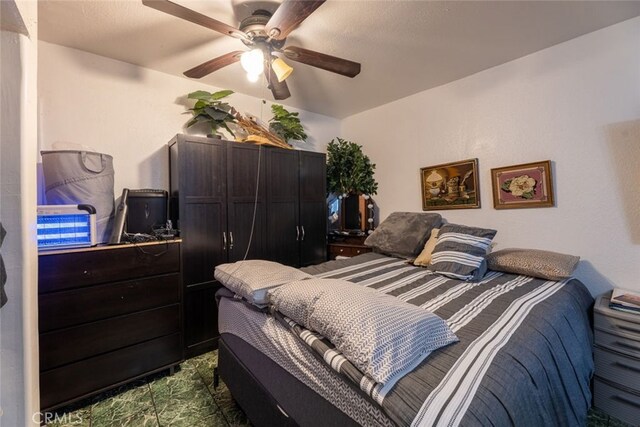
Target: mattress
524	355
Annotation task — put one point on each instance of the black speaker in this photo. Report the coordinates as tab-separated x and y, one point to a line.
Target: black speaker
146	210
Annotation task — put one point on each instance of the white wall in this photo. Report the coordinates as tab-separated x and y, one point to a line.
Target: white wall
577	104
131	112
19	393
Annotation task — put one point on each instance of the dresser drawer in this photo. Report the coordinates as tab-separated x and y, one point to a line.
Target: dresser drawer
348	251
616	322
617	342
617	368
72	344
75	380
618	403
70	308
60	271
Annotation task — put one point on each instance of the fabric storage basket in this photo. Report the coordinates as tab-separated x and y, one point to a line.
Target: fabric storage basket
81	177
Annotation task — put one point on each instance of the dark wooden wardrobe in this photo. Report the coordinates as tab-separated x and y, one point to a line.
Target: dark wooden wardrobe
213	190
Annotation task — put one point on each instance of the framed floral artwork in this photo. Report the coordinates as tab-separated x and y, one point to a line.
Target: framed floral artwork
450	186
523	186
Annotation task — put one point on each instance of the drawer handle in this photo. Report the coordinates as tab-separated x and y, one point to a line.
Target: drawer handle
630	329
625	366
628	345
358	251
341	250
626	400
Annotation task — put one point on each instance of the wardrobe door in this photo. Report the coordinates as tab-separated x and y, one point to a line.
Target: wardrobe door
203	216
313	208
245	171
283	231
202	221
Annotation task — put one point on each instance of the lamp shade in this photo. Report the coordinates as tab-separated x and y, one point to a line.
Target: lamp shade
281	69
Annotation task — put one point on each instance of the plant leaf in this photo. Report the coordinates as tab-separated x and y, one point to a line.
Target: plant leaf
200	104
221	94
216	114
224	125
200	94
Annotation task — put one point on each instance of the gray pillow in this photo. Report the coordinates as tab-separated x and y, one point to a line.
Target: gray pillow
380	334
461	251
533	262
403	234
251	279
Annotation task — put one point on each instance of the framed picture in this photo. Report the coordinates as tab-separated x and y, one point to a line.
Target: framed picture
450	186
523	186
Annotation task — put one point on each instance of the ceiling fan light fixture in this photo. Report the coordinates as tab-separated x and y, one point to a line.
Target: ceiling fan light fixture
253	61
281	69
253	77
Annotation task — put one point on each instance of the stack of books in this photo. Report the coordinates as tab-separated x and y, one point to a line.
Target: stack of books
625	301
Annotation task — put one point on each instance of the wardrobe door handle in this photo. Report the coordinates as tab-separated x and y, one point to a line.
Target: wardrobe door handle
297	233
231	240
302	227
224	240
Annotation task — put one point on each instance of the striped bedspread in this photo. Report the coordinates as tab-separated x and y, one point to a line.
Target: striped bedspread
524	356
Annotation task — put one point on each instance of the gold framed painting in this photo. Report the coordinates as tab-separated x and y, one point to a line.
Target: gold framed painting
450	186
528	185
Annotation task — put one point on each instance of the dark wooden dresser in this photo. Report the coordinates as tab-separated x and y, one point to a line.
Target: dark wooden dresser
107	315
347	246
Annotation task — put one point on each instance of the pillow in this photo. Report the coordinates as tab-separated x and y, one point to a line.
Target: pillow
403	234
460	252
381	335
425	256
253	278
533	262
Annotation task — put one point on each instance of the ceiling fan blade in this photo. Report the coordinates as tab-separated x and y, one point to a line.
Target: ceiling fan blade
280	90
182	12
213	65
321	60
289	15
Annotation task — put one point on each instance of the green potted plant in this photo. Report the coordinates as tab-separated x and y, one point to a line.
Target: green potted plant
286	124
349	170
210	109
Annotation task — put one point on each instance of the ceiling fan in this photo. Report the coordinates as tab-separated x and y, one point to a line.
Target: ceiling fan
264	34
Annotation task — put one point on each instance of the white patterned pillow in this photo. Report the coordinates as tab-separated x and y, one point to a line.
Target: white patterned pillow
460	252
252	279
380	334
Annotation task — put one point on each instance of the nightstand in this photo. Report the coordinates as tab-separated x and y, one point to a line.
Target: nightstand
617	362
347	246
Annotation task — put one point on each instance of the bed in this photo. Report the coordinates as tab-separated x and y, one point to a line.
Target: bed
523	356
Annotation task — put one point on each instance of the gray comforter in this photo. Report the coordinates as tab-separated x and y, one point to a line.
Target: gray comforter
524	356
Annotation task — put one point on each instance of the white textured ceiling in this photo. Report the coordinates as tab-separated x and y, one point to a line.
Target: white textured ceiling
404	46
